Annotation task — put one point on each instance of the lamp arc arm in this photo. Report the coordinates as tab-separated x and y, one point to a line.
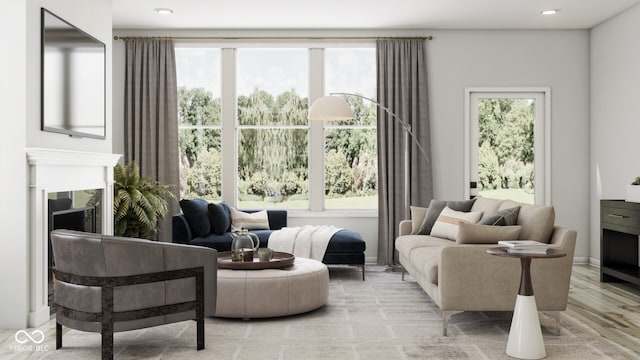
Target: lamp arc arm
405	126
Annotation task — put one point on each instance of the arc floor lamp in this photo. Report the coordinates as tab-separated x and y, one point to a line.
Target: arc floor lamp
334	107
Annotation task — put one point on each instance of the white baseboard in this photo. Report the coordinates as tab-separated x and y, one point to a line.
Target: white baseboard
594	262
40	316
581	260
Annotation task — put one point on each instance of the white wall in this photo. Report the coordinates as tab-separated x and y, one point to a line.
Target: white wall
558	59
14	265
117	113
20	100
460	58
615	119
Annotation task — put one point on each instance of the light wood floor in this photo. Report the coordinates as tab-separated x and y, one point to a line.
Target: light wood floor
610	311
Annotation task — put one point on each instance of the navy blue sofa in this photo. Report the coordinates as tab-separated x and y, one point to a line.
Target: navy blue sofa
345	247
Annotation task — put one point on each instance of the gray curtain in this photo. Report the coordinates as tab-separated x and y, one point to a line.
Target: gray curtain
151	116
402	87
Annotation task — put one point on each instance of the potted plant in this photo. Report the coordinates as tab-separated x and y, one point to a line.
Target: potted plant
138	202
633	191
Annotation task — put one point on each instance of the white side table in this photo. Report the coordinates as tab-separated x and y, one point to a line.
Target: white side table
525	336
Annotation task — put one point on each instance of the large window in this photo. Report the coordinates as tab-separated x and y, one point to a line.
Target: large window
272	88
351	161
199	123
245	135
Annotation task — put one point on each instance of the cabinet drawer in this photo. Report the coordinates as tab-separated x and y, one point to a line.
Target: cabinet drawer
619	216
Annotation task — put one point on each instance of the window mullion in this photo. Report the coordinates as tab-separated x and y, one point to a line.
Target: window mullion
316	132
229	138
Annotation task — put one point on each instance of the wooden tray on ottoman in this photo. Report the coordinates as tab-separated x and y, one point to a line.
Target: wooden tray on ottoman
280	260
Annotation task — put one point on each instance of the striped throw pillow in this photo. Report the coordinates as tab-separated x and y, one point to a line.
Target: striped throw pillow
250	221
446	226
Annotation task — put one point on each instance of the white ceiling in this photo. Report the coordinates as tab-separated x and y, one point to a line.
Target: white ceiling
364	14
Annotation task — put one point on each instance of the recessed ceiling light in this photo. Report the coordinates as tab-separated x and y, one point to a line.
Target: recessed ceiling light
163	11
549	12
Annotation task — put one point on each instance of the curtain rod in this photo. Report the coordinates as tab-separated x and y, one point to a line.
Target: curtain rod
270	37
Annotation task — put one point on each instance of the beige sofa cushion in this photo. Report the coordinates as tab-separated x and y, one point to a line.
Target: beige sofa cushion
486	234
504	217
447	224
436	207
407	243
536	220
417	217
426	260
251	221
486	205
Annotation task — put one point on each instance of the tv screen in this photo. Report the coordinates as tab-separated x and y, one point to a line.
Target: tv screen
73	79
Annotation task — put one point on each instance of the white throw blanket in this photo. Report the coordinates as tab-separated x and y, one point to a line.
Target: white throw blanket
304	241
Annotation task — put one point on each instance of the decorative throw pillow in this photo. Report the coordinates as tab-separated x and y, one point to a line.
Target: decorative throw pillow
486	234
504	217
488	206
197	215
447	224
537	221
250	221
417	217
219	218
435	208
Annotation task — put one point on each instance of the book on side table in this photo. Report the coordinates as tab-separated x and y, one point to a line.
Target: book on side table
524	246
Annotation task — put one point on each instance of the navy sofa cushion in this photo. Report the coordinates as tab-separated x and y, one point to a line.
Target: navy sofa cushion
346	241
197	213
263	235
181	230
220	218
223	242
218	242
350	258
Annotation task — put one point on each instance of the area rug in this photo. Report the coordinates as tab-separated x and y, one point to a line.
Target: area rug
382	318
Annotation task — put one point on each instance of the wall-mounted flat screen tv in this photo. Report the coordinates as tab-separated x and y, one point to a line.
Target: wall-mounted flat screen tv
73	79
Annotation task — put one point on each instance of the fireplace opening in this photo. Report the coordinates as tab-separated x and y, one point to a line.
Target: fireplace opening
72	210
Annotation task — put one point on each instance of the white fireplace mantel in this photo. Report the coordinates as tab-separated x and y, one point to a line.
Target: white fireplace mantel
53	170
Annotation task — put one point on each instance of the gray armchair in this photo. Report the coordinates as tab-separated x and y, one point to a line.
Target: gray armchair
108	284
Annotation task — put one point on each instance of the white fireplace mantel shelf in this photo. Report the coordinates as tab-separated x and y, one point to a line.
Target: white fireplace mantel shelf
54	170
40	156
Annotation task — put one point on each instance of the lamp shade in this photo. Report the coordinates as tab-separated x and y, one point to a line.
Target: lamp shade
330	108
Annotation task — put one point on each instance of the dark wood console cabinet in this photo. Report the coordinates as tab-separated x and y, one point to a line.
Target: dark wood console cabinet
620	227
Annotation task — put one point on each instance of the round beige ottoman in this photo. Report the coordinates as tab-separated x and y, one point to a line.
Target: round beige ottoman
301	287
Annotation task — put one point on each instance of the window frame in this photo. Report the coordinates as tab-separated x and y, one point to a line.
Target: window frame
542	135
329	125
239	127
316	129
218	127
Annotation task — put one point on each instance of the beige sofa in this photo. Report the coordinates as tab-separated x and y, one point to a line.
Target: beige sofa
463	277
